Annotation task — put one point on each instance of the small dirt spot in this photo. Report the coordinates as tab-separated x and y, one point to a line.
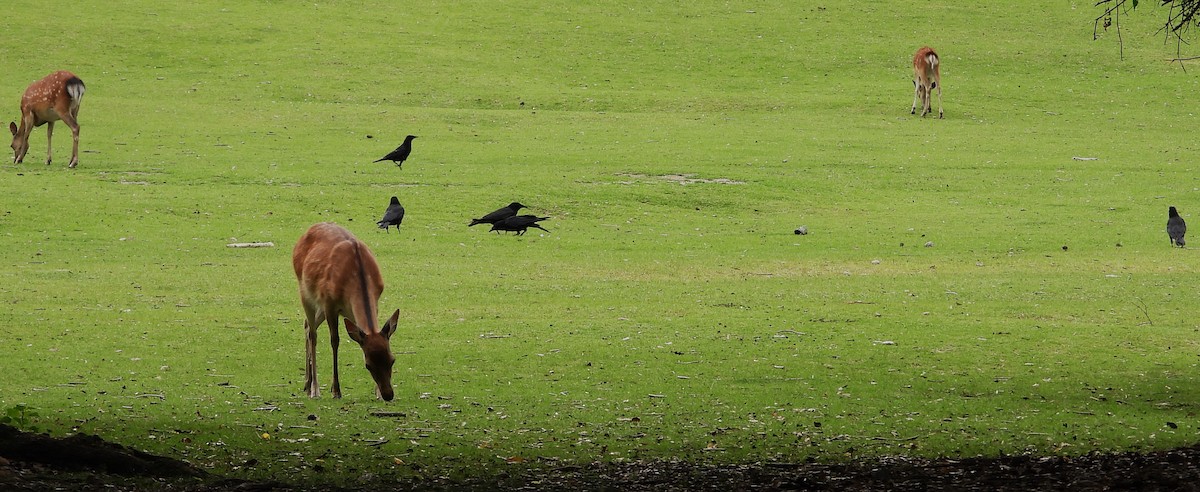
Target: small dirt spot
683	179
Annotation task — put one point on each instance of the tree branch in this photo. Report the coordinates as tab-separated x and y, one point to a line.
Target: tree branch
1113	10
1182	15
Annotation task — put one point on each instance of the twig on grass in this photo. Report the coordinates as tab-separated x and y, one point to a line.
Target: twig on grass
1145	312
897	439
267	244
151	395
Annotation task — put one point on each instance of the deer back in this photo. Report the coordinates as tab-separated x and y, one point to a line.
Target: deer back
925	66
338	274
49	98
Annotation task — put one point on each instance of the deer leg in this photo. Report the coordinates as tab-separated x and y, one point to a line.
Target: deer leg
49	135
333	342
921	98
939	89
312	320
73	123
310	361
924	100
916	91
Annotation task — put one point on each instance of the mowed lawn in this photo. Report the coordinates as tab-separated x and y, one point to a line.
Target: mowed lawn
996	282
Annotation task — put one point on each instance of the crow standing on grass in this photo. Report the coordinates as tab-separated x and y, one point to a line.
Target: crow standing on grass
518	224
393	216
498	215
401	153
1176	227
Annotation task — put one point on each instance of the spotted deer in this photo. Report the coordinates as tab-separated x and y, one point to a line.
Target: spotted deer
927	76
55	97
339	277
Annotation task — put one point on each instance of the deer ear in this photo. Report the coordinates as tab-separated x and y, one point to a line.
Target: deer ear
12	127
355	333
390	326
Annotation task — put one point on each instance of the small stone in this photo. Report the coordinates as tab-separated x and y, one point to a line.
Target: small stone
801	231
929	244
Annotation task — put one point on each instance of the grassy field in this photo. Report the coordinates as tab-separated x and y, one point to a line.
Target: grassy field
671	312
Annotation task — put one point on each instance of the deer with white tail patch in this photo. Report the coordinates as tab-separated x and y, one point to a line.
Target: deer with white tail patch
339	277
55	97
927	76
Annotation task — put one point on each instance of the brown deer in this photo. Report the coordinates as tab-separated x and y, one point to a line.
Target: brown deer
55	97
927	76
339	277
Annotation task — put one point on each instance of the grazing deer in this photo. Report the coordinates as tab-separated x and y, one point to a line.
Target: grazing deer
927	76
55	97
339	277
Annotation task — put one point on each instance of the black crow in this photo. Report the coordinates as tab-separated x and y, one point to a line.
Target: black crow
401	153
1176	227
518	223
498	214
393	216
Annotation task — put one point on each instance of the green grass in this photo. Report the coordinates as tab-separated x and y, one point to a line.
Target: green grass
658	320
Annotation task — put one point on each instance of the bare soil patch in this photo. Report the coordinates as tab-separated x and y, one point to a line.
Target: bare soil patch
33	462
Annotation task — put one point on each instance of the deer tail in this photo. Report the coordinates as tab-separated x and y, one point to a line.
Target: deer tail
75	88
